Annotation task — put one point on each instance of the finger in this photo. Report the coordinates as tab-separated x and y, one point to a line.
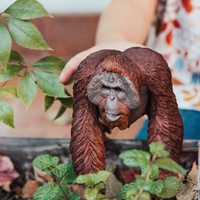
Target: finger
69	69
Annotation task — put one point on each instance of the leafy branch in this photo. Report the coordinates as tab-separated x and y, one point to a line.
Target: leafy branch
42	73
147	184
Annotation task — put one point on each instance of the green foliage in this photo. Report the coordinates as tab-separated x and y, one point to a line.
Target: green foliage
65	172
9	91
158	149
30	9
27	89
92	179
50	64
11	71
46	163
6	114
134	158
48	102
5	47
25	34
48	191
15	58
147	183
145	169
170	165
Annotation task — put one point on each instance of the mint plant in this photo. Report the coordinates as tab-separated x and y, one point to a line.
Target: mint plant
146	185
91	193
42	73
63	174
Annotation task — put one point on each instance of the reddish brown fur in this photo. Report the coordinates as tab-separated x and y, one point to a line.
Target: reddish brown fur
122	123
143	67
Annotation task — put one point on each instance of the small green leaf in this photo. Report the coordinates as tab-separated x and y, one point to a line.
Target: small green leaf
134	158
123	191
9	91
145	196
101	176
60	112
70	81
170	165
15	57
91	194
141	182
48	102
100	197
65	189
158	149
100	186
48	191
49	84
74	197
46	163
145	169
24	9
171	187
131	193
157	187
11	71
6	114
27	89
52	64
91	179
67	102
5	47
26	34
65	172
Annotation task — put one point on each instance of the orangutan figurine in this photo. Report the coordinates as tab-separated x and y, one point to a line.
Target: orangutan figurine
114	89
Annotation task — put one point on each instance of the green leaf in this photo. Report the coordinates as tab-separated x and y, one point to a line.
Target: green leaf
134	158
15	57
157	187
70	81
67	102
26	34
157	149
46	163
48	191
123	191
170	165
100	197
51	64
91	179
11	71
5	47
48	102
9	91
141	182
49	84
74	197
24	9
171	187
145	196
100	186
65	189
145	169
60	112
65	172
131	193
6	114
27	89
91	194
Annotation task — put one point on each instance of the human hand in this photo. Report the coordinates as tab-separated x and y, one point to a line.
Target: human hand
72	65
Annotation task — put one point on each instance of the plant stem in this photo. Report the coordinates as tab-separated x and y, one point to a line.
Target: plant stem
146	179
58	182
4	84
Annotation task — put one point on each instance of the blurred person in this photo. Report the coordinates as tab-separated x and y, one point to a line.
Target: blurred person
169	27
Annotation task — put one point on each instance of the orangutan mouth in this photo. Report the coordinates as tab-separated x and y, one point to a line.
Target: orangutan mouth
112	117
